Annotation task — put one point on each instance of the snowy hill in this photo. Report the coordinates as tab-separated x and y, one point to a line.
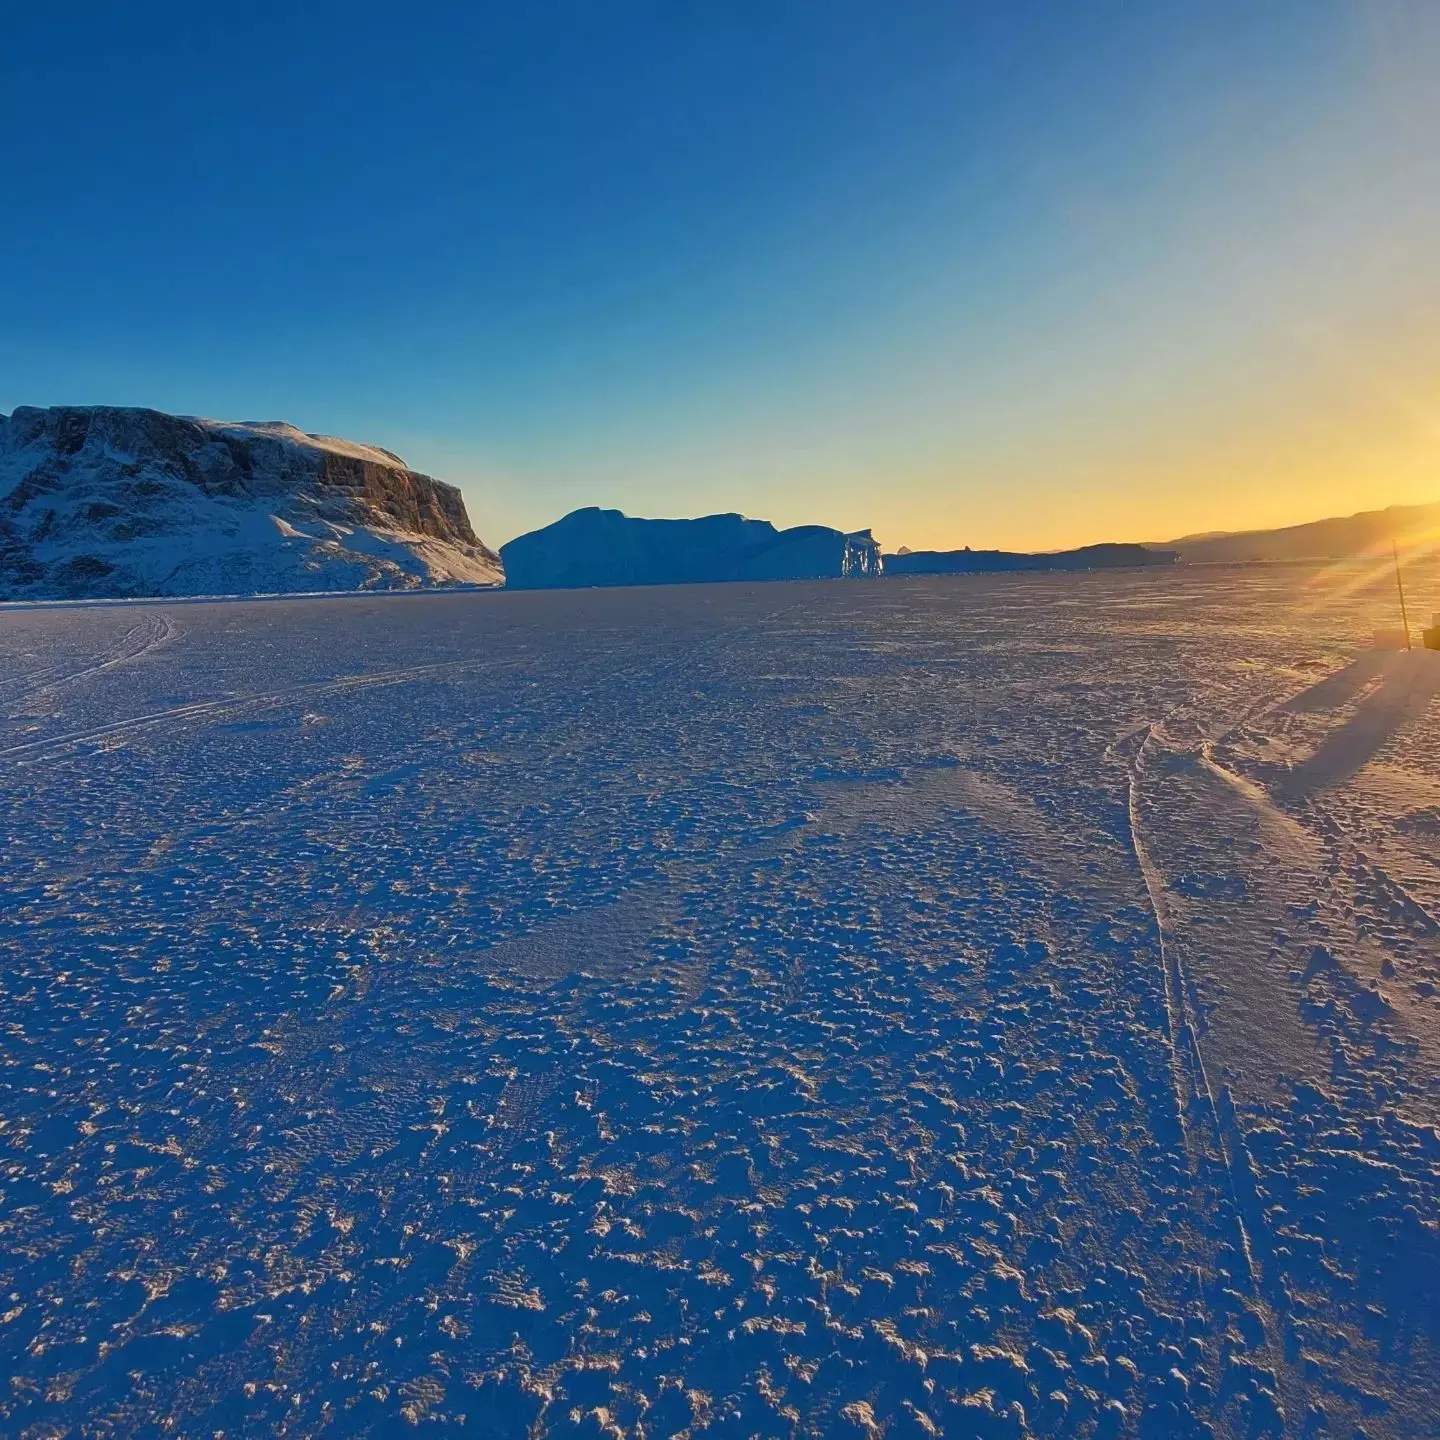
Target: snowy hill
1087	557
1340	538
607	547
99	501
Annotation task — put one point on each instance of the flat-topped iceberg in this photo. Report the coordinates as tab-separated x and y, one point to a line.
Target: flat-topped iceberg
606	547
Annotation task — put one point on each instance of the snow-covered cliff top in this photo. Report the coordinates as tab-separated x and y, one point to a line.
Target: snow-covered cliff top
282	430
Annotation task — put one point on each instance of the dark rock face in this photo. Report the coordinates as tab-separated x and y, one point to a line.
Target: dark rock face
414	501
605	547
111	501
966	562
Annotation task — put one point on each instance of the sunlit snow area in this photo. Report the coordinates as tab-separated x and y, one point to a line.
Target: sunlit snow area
975	1007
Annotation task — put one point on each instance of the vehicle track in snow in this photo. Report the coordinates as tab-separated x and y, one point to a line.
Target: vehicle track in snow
152	632
258	700
743	1004
1223	1137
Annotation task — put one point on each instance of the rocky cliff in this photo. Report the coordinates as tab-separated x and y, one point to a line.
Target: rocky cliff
607	547
100	501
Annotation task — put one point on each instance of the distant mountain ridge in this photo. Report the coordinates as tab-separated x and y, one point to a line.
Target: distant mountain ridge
985	562
109	501
102	502
595	547
1337	538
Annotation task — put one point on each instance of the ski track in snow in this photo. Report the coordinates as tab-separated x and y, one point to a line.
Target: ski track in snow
978	1007
152	631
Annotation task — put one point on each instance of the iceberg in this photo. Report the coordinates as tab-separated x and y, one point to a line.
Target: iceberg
595	547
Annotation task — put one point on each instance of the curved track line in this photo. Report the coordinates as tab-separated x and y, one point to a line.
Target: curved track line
151	633
237	702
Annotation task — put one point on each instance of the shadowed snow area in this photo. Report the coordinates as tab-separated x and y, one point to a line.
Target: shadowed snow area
977	1007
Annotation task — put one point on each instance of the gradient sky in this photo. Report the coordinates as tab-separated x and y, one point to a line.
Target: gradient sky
1023	274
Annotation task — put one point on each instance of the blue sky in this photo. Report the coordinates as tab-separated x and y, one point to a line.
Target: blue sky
1025	274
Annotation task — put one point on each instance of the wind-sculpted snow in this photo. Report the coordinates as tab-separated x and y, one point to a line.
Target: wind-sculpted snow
971	1007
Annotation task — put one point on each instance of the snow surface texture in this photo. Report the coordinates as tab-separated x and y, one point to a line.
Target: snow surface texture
594	547
99	501
981	1007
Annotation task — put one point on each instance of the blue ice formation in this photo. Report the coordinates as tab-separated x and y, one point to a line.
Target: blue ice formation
606	547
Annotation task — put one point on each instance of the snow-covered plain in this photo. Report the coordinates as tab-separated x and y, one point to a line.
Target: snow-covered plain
971	1007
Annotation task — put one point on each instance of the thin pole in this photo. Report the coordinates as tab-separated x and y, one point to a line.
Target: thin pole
1400	586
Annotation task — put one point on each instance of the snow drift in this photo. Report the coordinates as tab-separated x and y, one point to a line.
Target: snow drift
101	501
607	547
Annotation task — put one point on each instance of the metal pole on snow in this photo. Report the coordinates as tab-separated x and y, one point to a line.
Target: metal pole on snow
1400	586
